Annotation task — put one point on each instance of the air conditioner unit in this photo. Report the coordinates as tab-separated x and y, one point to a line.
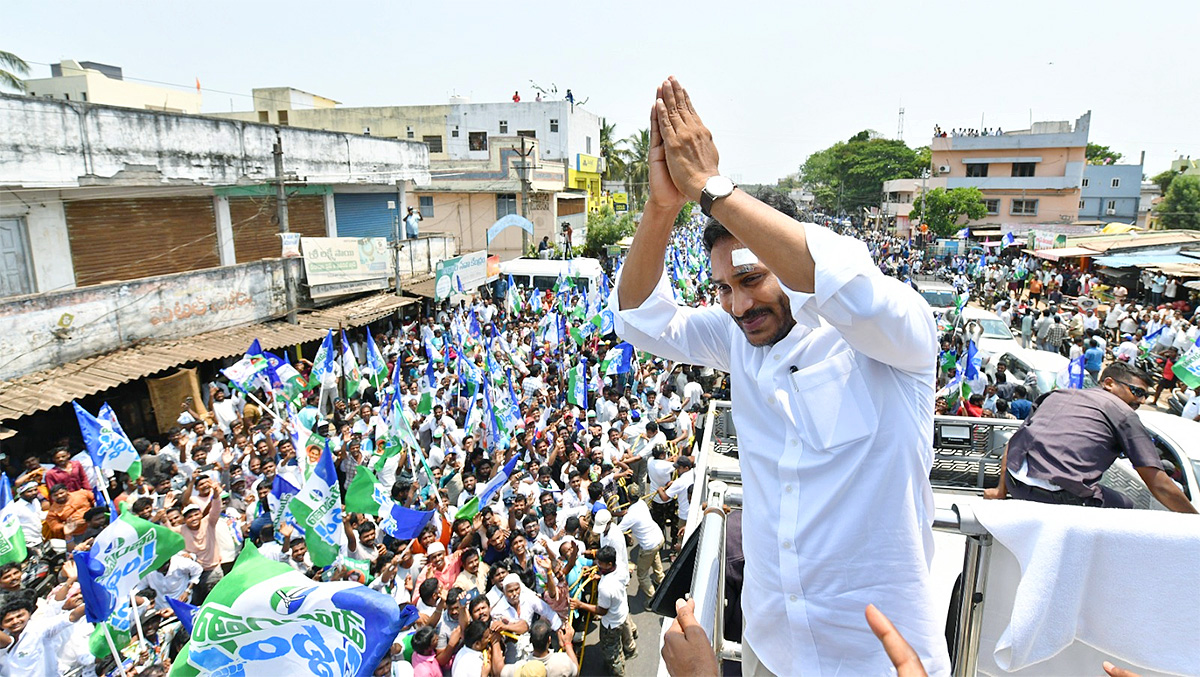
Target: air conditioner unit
1110	212
943	169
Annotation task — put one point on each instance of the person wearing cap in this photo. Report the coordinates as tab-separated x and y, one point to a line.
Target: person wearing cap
30	513
445	568
517	609
612	536
199	531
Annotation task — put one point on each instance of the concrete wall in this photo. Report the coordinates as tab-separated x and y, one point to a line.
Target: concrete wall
421	256
45	330
467	216
59	144
49	243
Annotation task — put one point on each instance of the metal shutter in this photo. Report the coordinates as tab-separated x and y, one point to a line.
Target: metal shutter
255	231
364	214
130	239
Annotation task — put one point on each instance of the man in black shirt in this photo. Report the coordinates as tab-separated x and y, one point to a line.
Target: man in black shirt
1074	435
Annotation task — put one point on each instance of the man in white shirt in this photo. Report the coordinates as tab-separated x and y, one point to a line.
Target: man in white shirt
175	579
648	537
612	608
820	346
611	535
30	513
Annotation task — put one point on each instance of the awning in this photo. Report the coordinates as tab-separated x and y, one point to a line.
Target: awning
1144	260
50	388
1063	253
421	286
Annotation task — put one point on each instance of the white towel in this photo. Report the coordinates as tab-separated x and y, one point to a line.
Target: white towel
1123	582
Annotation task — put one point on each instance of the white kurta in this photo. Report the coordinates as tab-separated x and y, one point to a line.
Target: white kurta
834	428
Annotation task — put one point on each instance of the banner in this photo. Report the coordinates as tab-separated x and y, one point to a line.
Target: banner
343	265
462	274
508	222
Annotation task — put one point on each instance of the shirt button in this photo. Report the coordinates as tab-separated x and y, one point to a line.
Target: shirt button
776	358
787	488
787	545
795	443
793	598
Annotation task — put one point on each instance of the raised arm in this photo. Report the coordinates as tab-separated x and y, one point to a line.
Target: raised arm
877	315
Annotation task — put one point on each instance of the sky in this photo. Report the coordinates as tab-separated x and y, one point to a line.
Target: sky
773	81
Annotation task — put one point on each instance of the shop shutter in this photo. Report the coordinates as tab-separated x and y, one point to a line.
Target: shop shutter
364	214
255	231
129	239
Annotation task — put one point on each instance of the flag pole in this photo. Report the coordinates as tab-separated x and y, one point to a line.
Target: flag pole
112	646
137	616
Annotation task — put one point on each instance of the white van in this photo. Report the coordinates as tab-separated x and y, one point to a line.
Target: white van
529	273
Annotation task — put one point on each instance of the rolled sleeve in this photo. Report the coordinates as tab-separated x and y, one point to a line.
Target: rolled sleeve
878	316
661	326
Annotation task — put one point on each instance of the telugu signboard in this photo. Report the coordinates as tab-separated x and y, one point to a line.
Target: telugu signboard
463	273
343	265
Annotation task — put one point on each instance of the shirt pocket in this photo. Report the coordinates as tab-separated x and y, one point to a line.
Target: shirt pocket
832	403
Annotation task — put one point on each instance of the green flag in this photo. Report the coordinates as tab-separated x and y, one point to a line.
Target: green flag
364	492
425	404
469	510
318	508
1187	367
12	537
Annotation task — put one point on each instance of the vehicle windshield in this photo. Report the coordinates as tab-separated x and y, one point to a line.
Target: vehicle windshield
994	329
939	299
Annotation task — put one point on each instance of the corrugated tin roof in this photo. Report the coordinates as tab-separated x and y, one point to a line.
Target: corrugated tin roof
56	386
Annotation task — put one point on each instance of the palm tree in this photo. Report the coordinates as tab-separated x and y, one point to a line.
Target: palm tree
614	157
15	64
637	164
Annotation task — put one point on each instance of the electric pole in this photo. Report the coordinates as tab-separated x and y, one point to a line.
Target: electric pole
398	230
523	174
281	212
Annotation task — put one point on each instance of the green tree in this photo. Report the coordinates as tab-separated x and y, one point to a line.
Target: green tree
1101	155
685	213
1164	178
637	166
12	66
605	228
1180	207
614	157
849	175
943	209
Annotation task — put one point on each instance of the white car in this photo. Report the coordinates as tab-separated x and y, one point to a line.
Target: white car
939	295
1045	365
991	335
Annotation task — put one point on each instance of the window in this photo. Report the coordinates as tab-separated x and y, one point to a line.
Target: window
283	117
1024	207
553	125
588	151
477	140
1081	204
263	116
527	133
434	143
408	132
83	95
977	170
68	98
454	132
993	206
1116	183
426	203
1112	205
506	203
1023	168
504	126
1085	183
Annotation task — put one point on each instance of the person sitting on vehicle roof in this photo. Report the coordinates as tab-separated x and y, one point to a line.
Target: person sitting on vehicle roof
1074	435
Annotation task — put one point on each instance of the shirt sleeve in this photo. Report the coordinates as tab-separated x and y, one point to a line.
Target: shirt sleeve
693	335
1135	441
879	316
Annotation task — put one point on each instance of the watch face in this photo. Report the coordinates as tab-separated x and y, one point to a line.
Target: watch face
718	186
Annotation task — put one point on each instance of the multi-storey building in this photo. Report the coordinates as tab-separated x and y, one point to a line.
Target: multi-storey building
1028	177
92	82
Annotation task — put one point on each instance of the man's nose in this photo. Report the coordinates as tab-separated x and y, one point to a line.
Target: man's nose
740	303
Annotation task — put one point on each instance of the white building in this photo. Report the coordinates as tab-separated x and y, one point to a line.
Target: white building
104	84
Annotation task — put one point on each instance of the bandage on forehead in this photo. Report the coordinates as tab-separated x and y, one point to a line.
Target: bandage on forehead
743	257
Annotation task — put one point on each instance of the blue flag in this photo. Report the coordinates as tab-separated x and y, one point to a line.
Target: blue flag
494	484
971	372
186	613
281	495
1076	370
323	362
404	523
1008	239
107	445
6	490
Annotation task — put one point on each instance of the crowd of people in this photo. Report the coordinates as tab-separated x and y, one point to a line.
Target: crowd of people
604	438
